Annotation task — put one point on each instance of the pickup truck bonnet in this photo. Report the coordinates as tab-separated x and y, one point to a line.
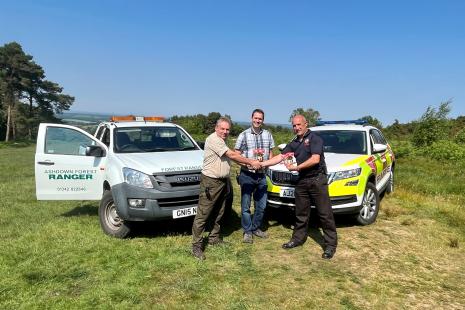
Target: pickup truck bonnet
163	162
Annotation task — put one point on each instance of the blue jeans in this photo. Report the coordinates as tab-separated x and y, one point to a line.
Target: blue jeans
252	184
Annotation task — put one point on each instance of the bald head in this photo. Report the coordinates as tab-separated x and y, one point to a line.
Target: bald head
300	118
299	125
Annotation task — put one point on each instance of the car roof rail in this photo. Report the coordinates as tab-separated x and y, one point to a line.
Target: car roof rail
345	122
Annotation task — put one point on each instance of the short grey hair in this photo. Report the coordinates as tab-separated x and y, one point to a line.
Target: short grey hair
223	119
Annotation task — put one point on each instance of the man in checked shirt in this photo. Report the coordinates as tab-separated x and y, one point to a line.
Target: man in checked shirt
254	143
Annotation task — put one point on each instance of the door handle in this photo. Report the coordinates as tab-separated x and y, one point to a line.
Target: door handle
46	163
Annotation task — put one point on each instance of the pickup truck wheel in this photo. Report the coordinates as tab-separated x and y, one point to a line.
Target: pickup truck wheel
370	205
110	221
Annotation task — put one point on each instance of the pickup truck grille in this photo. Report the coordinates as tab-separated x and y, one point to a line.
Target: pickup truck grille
176	181
283	178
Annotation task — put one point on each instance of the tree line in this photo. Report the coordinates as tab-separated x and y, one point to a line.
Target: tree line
27	98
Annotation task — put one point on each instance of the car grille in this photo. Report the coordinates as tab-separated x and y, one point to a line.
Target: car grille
283	178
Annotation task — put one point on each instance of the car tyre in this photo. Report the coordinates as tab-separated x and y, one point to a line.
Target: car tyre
110	221
370	205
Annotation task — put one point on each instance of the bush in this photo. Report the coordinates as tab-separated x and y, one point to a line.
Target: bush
402	148
445	150
460	137
432	126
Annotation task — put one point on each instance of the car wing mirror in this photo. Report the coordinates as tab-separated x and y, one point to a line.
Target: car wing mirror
378	148
95	150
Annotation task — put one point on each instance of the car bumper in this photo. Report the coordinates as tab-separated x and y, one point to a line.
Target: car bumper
158	204
346	204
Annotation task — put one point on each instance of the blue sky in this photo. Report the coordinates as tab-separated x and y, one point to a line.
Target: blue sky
346	59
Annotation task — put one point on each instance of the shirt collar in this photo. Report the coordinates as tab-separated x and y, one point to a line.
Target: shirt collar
303	137
256	133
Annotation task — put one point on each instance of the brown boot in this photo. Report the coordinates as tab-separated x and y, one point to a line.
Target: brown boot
197	252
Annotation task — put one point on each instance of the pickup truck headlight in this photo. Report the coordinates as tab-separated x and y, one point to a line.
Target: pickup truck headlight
136	178
344	174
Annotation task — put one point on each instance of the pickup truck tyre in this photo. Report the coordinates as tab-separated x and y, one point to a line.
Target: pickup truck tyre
110	221
370	205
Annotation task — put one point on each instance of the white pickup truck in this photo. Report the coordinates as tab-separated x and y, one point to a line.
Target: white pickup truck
139	168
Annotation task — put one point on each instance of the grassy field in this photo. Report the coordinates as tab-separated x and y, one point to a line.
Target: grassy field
54	255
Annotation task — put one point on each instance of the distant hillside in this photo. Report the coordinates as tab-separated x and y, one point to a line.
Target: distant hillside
82	118
87	118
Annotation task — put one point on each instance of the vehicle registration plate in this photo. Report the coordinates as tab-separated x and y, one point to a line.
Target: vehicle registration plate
286	192
184	212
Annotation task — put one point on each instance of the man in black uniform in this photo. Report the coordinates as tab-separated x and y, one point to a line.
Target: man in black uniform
311	188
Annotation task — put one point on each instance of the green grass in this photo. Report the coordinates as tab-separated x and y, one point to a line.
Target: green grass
54	254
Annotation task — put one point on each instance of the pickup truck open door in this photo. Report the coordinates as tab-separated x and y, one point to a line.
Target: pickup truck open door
69	164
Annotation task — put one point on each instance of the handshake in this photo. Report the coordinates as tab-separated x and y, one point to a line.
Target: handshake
255	164
288	158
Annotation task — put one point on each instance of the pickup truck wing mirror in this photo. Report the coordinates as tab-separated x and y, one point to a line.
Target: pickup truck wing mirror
95	150
378	148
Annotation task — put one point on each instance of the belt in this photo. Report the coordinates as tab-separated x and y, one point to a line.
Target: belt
246	171
311	176
219	179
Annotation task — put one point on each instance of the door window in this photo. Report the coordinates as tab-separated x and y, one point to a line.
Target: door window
66	141
377	137
99	132
106	137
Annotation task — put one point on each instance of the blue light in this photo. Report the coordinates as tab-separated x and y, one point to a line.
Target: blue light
346	122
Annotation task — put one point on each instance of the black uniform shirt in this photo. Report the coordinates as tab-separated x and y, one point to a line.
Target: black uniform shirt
303	149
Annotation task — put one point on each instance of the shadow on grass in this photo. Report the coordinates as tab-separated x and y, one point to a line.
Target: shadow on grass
16	144
231	222
84	210
285	217
151	229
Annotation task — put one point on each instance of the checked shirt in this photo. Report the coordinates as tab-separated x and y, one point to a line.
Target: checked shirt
248	141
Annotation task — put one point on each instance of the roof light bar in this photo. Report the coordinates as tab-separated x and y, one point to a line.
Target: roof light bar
127	118
132	118
355	122
154	118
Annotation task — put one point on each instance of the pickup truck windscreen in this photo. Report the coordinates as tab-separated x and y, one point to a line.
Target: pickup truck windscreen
151	139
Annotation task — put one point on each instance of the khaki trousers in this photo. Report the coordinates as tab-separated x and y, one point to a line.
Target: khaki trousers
211	206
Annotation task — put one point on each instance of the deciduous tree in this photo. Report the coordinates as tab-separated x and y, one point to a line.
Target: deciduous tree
372	121
432	126
311	115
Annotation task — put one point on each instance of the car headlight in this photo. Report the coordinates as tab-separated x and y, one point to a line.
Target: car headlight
344	174
136	178
268	172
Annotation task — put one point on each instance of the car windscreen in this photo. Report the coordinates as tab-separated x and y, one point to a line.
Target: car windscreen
343	141
151	139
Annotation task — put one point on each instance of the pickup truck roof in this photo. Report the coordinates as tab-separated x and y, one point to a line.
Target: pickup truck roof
138	124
